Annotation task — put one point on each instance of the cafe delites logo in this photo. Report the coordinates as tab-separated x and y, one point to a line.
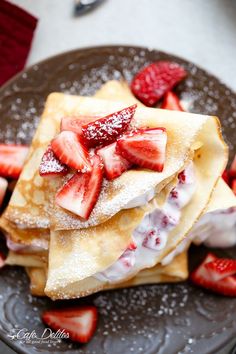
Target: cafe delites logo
25	336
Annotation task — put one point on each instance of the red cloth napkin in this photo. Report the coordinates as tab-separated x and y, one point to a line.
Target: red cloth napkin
16	33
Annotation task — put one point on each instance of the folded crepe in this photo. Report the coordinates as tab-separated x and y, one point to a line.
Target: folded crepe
75	287
77	256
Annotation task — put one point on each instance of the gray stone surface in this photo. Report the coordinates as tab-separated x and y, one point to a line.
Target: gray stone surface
202	31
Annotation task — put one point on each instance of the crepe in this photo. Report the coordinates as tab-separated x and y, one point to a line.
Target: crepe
75	256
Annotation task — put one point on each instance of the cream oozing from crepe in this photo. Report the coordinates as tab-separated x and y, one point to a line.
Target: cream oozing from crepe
151	235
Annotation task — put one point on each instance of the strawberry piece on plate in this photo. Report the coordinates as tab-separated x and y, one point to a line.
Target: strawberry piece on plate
80	194
50	165
74	124
79	322
151	83
221	268
12	159
171	102
114	164
69	149
145	148
2	260
203	277
106	130
3	189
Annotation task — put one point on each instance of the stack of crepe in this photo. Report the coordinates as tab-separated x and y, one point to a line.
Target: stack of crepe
62	253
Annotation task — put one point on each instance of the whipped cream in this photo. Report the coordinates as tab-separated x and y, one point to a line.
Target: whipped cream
151	235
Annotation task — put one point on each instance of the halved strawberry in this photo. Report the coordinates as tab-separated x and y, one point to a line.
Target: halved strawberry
79	322
74	124
171	102
50	165
145	148
80	194
69	149
106	130
202	277
2	260
221	268
3	189
12	159
151	83
114	164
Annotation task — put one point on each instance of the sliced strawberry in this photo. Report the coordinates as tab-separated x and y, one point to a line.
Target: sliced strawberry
3	189
171	102
221	268
79	322
74	124
145	148
12	159
50	165
80	194
203	277
106	130
152	82
70	151
114	164
2	260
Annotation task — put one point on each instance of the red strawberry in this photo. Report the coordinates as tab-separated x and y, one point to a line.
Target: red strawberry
74	124
152	82
70	151
106	130
202	277
2	260
79	322
171	102
12	158
221	268
114	164
3	189
80	194
50	165
145	148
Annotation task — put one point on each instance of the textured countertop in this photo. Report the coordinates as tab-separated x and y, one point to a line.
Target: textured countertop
202	31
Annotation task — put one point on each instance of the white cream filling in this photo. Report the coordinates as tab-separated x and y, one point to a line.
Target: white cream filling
151	235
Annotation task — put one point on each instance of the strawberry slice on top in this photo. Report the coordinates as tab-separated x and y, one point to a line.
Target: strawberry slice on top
80	193
12	158
114	163
79	322
221	268
171	102
74	124
106	130
146	148
151	83
69	149
50	165
210	276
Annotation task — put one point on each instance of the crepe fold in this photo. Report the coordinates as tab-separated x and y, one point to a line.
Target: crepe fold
76	256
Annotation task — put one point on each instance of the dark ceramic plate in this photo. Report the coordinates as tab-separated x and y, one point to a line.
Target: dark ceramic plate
148	319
